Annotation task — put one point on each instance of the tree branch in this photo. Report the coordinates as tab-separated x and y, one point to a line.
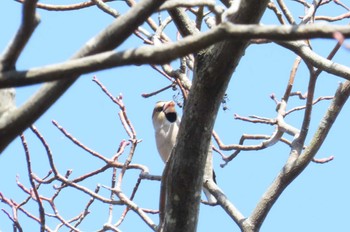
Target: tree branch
213	70
76	6
291	170
223	201
108	39
309	56
164	53
30	21
34	188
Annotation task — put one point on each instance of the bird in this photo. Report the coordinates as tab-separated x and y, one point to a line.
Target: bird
166	124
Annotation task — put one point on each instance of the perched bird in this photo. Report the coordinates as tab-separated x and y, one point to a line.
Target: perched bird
166	125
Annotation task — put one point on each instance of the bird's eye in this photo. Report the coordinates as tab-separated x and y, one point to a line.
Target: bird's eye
159	108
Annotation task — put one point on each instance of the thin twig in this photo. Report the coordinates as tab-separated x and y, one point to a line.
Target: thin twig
31	181
78	143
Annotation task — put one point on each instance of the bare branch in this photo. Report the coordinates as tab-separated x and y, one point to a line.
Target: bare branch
286	12
223	201
310	14
341	4
30	21
135	208
333	19
76	6
14	218
279	15
291	170
147	95
129	128
213	70
86	209
34	188
78	143
108	39
309	56
314	102
211	55
166	52
105	8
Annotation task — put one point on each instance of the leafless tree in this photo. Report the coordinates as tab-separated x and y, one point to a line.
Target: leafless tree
214	37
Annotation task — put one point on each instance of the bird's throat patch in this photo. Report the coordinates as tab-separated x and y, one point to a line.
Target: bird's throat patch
171	116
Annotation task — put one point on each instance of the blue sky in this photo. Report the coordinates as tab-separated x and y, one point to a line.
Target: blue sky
316	201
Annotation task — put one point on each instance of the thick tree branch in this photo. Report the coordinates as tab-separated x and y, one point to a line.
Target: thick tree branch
10	56
183	23
30	21
76	6
213	70
110	38
164	53
305	52
340	98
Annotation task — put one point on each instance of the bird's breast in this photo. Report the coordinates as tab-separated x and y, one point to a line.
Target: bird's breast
165	140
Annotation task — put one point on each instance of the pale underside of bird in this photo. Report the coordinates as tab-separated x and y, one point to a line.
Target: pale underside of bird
166	124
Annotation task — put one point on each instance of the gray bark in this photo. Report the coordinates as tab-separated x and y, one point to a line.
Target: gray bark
213	70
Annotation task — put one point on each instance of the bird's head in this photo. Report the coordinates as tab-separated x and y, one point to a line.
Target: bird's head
164	112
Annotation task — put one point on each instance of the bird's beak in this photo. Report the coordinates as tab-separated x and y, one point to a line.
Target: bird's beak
169	107
170	111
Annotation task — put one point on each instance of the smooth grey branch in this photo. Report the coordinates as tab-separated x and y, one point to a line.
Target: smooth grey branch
292	169
167	52
108	39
